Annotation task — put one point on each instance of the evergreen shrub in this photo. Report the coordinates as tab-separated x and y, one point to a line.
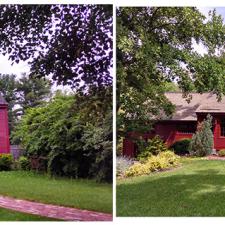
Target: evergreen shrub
202	141
152	147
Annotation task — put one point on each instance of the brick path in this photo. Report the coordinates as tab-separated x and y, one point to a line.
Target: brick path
215	157
53	211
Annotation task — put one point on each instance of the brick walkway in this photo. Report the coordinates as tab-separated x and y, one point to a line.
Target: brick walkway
215	157
53	211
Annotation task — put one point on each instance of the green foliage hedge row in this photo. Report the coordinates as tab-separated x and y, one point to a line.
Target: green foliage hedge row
73	146
6	161
24	163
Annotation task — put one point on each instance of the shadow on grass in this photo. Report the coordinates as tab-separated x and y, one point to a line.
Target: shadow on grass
199	194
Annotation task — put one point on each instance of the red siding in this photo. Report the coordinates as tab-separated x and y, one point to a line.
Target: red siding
4	131
167	130
128	148
219	141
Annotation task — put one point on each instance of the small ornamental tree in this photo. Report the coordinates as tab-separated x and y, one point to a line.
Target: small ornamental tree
202	141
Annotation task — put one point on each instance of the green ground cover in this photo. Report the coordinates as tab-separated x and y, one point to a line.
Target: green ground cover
83	194
197	188
9	215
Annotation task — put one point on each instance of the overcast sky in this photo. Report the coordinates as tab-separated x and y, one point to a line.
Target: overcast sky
17	69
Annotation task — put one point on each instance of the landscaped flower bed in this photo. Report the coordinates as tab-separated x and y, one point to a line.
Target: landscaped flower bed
162	161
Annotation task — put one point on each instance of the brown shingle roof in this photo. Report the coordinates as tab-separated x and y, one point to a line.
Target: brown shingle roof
206	103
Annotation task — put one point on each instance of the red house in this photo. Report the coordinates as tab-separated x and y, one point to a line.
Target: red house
184	121
4	128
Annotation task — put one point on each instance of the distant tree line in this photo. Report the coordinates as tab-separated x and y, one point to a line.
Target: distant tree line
23	93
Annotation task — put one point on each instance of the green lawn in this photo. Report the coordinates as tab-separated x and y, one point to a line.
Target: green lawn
9	215
195	189
83	194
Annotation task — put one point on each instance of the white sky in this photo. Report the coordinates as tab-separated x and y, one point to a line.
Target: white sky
204	10
7	68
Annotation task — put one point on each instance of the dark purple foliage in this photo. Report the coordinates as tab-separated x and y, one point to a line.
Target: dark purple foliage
73	43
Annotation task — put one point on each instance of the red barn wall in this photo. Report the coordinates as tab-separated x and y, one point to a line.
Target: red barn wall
4	130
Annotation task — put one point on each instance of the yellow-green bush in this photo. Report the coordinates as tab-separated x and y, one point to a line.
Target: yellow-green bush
221	152
171	157
156	163
138	169
163	160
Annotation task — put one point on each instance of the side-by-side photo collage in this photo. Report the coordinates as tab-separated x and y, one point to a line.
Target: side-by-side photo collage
111	112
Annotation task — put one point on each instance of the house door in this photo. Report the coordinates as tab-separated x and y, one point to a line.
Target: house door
219	133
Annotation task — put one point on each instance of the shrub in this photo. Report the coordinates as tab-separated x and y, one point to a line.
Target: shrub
58	138
163	160
122	164
24	163
221	153
6	161
138	169
171	157
181	147
38	163
202	141
152	147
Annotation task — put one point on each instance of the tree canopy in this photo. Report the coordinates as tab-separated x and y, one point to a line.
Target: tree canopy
31	92
71	145
73	43
155	45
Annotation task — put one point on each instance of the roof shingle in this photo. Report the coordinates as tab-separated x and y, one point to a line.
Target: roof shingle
204	103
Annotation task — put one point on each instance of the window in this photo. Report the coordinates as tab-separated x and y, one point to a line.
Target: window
186	128
222	127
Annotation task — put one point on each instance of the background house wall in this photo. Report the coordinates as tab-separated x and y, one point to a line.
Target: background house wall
4	130
219	140
169	132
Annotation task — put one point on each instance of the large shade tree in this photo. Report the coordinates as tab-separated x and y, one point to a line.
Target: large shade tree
155	45
73	43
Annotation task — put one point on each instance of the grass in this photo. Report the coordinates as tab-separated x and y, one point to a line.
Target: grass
195	189
83	194
9	215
